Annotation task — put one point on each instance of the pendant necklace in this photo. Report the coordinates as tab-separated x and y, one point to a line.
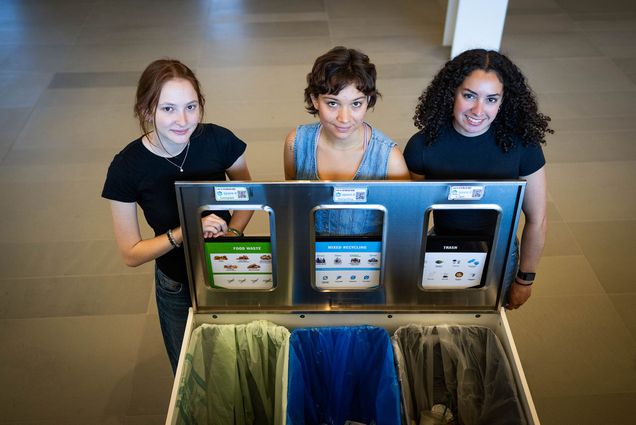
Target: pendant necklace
187	149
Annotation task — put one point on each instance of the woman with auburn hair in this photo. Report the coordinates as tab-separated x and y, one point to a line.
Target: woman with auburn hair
174	145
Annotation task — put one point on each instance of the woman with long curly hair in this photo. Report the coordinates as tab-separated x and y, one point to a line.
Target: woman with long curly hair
478	119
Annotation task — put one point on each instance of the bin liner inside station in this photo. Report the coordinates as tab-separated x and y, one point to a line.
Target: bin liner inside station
234	374
342	373
464	368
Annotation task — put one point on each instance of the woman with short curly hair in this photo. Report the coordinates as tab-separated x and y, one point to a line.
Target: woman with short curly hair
478	119
342	145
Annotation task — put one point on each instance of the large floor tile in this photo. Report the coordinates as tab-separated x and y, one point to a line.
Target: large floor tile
574	345
610	248
628	66
560	240
533	23
12	121
593	106
548	45
579	146
82	258
567	75
22	89
82	366
270	169
425	11
594	124
253	52
144	31
74	296
123	97
626	306
615	44
55	211
72	126
592	409
227	9
263	114
392	27
160	13
128	57
152	379
220	31
594	190
43	58
562	276
279	83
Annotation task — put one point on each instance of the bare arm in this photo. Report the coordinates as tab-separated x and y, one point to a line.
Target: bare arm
533	234
135	250
397	169
288	156
239	171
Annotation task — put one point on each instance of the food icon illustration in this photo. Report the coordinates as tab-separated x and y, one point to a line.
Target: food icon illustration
253	267
243	257
220	257
230	267
266	257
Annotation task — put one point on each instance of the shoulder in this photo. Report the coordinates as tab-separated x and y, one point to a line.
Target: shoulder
215	137
380	137
303	133
209	130
289	140
133	152
307	128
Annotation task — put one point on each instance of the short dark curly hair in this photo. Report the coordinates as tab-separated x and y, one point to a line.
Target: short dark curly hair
518	117
335	70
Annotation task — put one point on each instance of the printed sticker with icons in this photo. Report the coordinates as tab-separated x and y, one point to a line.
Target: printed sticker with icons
348	264
239	265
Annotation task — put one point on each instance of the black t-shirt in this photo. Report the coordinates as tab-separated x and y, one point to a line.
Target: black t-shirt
456	157
138	175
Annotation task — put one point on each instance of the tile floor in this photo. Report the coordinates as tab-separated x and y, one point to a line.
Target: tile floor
78	330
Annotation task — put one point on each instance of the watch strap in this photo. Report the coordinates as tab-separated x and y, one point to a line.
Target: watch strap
528	277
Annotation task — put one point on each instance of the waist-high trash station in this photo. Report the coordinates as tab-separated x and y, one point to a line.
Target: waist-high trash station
374	302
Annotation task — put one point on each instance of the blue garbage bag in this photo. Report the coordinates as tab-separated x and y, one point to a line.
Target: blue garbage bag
342	373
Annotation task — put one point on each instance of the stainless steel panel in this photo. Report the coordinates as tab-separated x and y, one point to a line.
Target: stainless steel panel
403	241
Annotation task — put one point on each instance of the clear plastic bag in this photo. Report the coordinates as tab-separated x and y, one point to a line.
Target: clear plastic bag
463	367
234	374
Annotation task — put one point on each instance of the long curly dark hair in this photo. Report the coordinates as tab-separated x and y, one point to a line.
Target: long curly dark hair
518	117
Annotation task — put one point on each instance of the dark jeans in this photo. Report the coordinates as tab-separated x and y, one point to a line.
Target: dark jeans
173	301
511	270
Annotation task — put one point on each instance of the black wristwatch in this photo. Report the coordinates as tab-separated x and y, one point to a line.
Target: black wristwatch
528	277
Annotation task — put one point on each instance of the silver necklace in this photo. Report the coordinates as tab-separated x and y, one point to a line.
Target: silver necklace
187	149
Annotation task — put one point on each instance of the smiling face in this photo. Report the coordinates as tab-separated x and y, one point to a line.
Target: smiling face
477	102
341	115
177	114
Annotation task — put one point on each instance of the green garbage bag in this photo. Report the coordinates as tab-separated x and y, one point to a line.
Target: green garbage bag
233	375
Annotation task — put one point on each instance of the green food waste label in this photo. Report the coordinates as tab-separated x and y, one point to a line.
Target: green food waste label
239	265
